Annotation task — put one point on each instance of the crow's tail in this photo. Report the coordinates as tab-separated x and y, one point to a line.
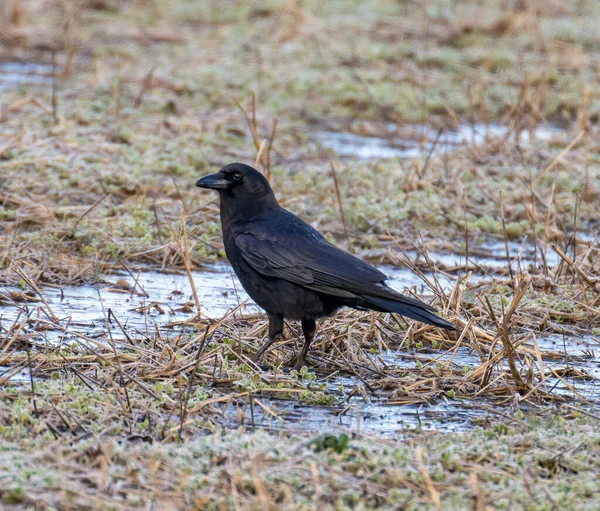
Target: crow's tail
410	308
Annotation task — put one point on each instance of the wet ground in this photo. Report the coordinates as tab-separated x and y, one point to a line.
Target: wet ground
158	300
415	140
14	74
162	296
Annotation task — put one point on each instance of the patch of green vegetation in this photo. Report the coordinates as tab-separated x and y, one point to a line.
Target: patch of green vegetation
501	466
491	225
337	444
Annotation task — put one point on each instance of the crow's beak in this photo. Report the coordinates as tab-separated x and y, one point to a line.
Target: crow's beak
214	182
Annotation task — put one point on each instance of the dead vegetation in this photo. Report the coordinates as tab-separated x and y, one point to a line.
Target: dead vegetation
96	158
119	396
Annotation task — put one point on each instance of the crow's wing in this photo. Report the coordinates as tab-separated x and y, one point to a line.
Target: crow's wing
283	246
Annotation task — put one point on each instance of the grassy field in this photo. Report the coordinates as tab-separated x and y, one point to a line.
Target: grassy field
130	102
148	104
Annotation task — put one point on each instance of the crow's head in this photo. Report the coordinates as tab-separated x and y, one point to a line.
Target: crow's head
239	180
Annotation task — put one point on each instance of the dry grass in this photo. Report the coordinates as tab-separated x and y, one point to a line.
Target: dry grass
95	163
117	417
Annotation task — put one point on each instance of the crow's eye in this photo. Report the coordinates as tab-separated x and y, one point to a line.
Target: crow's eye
236	176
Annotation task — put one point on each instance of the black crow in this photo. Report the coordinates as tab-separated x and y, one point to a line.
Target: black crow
289	269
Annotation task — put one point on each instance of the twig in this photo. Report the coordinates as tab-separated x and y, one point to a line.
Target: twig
504	324
146	84
191	380
259	154
11	143
251	123
156	222
136	282
185	252
33	285
117	90
54	104
88	210
433	494
271	139
512	277
31	380
585	412
251	401
546	226
430	153
115	353
560	155
339	199
585	277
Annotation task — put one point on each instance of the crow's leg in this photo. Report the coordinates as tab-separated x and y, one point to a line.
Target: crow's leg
275	330
308	329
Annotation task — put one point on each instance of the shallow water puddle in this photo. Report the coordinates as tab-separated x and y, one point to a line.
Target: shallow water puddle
358	415
164	298
380	414
168	297
492	255
394	145
14	74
